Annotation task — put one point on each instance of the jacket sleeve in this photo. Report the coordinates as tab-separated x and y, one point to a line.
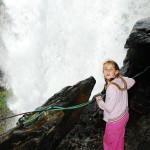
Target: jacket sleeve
130	82
110	101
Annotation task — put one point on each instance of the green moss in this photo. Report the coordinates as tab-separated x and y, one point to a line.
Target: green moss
3	107
1	129
4	93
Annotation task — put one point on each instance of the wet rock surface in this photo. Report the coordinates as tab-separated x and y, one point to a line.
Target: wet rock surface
47	131
138	59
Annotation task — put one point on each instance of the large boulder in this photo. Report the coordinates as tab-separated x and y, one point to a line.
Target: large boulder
47	131
138	60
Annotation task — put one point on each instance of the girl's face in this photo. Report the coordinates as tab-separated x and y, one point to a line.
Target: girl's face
110	71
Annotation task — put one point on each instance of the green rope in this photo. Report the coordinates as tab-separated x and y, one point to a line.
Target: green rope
141	72
26	121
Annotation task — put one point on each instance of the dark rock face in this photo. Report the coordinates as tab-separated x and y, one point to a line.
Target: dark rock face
47	131
140	34
88	133
137	60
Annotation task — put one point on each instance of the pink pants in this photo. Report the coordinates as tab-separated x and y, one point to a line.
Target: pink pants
115	133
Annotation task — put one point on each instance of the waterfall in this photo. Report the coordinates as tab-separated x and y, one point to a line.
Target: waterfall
50	44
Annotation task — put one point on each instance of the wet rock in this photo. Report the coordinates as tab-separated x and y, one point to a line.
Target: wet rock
47	131
136	61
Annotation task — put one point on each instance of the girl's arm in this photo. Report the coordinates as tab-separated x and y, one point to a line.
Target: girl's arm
110	102
130	82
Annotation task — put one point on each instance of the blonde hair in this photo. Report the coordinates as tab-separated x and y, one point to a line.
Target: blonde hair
114	64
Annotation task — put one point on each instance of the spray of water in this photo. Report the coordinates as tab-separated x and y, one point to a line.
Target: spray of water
50	44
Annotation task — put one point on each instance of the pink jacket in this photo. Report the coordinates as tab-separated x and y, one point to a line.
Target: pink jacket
116	102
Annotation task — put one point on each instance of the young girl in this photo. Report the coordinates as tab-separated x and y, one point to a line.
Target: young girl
115	106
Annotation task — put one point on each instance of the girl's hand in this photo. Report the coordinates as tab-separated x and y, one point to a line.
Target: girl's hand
99	98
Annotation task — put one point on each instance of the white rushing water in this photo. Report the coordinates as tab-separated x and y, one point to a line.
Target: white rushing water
50	44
